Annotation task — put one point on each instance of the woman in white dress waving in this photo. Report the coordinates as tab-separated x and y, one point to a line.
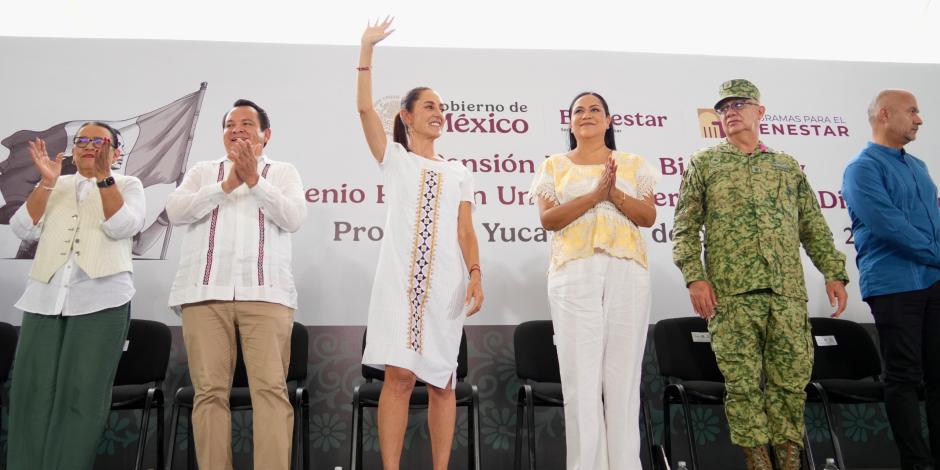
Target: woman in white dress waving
428	278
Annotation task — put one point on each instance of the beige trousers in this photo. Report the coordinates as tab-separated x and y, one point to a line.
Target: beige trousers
209	333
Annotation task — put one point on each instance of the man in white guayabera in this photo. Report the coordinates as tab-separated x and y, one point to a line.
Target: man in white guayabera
235	273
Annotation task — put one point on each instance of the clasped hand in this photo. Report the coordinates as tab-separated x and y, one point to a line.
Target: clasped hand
244	156
607	185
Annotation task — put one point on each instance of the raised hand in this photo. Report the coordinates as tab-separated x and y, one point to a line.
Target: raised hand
49	169
375	33
246	161
103	160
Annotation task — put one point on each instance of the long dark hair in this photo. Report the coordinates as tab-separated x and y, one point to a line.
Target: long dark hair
399	133
608	135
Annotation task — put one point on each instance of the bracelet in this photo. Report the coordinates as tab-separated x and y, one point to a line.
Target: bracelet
475	267
364	69
47	188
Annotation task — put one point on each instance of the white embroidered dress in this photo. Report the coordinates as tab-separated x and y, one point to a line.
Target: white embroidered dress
416	313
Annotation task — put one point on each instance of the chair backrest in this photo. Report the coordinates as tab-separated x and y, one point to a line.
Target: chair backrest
147	354
297	370
371	373
297	367
684	349
843	350
536	357
7	350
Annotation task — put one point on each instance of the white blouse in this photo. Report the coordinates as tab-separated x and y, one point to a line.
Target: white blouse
71	292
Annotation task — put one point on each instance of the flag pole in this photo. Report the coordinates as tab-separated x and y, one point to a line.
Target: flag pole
179	179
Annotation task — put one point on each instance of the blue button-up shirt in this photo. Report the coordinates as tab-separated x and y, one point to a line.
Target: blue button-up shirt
895	217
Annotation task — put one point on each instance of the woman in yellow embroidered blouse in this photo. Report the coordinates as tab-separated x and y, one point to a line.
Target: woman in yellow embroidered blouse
594	199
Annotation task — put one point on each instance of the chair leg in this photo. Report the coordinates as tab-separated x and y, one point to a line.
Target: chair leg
667	428
299	456
809	463
836	448
355	445
470	442
520	421
530	424
144	423
295	435
191	448
305	411
171	447
648	427
687	415
160	433
659	456
474	423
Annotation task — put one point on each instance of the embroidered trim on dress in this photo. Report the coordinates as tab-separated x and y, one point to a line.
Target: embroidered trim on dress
264	174
545	190
645	186
212	222
422	255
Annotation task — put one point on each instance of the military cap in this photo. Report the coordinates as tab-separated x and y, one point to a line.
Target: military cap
737	88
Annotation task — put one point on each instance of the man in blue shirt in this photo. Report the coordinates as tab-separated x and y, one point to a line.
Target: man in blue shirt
893	205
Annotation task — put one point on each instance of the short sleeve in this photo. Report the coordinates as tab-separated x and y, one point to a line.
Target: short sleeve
647	178
543	186
394	152
466	185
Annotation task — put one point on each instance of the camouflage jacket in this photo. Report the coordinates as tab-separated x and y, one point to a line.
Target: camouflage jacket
756	210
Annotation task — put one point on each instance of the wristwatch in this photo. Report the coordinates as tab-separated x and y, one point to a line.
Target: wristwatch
109	181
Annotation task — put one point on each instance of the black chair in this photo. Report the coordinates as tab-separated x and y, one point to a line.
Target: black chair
240	400
537	368
138	384
846	370
687	364
367	396
8	338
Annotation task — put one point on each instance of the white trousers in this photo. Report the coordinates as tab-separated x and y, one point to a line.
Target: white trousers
600	311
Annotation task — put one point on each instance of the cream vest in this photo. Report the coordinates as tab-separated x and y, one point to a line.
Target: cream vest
69	226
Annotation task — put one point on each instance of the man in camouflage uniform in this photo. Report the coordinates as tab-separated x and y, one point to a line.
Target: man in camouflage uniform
757	207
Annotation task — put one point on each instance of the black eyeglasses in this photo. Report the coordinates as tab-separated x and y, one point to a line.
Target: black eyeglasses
735	105
83	142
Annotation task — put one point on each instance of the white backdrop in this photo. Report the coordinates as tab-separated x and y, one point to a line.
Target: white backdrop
310	94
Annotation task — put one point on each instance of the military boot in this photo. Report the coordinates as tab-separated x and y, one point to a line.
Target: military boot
788	456
757	458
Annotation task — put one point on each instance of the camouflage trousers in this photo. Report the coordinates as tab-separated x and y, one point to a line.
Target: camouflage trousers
761	335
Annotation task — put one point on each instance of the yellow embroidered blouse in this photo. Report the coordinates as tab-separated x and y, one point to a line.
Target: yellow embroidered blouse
603	227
